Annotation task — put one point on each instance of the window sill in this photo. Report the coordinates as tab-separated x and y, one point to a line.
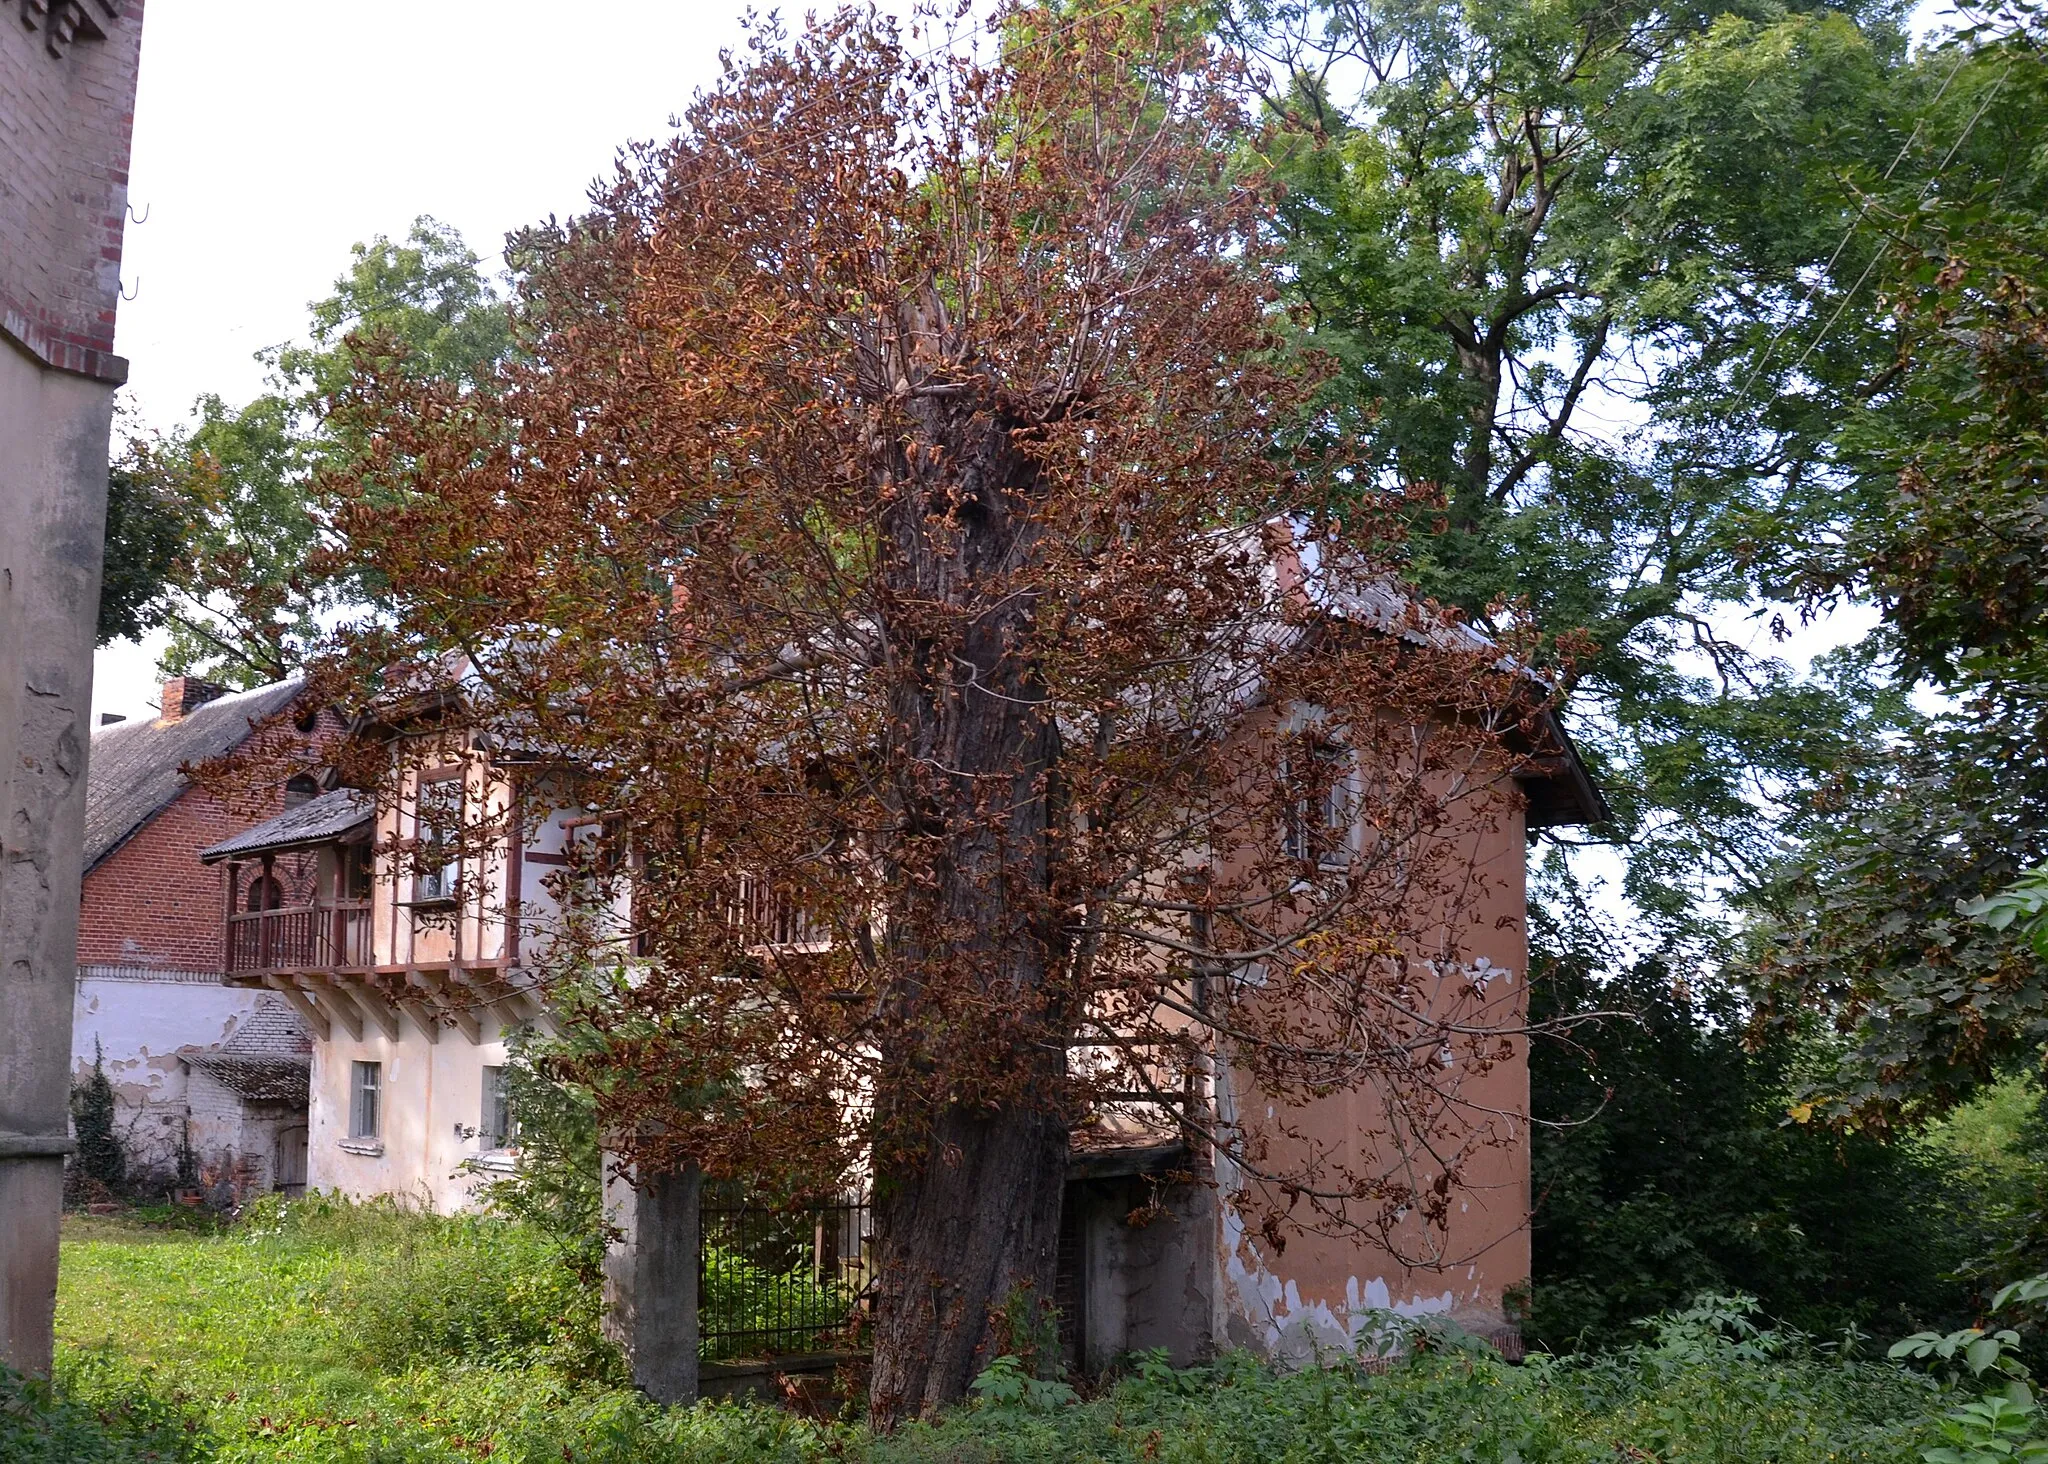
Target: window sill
494	1161
430	902
371	1148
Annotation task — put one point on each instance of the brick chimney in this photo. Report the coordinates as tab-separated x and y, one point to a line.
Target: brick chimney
186	694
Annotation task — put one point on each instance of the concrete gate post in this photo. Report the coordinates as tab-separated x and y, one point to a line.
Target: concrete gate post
650	1278
67	100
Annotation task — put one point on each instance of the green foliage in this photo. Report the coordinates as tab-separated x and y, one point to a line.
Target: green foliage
1007	1382
271	1343
1868	925
146	534
1676	1172
557	1189
259	569
100	1156
2006	1421
1556	252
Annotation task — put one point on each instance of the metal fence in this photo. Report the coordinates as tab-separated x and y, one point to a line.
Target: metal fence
778	1278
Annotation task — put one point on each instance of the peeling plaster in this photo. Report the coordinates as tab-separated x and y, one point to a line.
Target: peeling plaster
1291	1329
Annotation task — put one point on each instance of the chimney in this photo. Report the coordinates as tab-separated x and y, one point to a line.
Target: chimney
184	695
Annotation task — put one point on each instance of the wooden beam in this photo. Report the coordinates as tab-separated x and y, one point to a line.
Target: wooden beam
345	1011
312	1016
375	1007
465	1021
422	1019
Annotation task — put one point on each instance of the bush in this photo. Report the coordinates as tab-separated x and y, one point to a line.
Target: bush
100	1158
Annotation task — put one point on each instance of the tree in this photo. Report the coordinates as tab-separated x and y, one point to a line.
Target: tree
260	568
1674	1172
1870	924
145	535
895	520
100	1157
1571	260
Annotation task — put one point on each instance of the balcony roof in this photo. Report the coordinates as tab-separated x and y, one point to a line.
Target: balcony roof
320	820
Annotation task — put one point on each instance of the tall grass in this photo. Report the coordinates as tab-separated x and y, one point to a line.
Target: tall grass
367	1334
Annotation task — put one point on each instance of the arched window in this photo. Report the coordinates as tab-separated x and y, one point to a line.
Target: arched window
300	788
265	893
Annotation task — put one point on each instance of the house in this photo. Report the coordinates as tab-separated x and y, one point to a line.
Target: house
408	982
410	972
200	1070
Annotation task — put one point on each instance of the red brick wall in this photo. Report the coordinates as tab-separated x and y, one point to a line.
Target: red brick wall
151	902
64	135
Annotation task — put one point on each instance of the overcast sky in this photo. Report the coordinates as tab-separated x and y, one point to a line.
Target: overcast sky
269	137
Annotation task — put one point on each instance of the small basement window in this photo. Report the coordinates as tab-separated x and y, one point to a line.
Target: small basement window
366	1091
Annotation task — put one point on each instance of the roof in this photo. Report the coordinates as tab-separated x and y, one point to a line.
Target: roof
285	1080
133	772
316	821
267	1059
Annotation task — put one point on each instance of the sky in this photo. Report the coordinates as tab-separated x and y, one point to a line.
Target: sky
270	137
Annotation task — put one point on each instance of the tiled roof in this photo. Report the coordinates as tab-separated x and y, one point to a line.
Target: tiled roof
313	822
260	1079
133	769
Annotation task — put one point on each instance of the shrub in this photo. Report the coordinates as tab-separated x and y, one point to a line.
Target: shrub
100	1157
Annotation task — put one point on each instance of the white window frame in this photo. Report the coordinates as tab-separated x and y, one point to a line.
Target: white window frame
365	1101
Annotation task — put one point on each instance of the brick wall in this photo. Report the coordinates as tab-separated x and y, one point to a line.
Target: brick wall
151	902
67	103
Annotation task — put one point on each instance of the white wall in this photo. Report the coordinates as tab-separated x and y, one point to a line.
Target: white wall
142	1023
428	1088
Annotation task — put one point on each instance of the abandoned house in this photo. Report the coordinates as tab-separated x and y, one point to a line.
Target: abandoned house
409	973
200	1070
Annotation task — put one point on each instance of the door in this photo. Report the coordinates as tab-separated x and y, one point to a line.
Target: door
288	1163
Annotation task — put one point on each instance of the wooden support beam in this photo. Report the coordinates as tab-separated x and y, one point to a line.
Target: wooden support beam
315	1019
336	1000
422	1018
498	1005
375	1007
437	996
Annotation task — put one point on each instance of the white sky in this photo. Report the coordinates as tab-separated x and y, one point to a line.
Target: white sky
269	137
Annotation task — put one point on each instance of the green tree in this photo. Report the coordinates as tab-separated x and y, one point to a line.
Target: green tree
1871	923
1672	1172
100	1156
146	534
262	567
1560	252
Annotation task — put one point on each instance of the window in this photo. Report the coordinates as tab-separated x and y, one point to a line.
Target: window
495	1130
1317	780
770	918
366	1084
437	825
357	870
265	893
300	788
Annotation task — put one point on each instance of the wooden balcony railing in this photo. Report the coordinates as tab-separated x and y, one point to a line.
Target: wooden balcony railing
327	937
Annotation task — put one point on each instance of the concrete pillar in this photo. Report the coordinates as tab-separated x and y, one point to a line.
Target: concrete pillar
650	1278
53	498
67	100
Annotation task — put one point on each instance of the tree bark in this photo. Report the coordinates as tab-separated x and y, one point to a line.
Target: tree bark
970	1139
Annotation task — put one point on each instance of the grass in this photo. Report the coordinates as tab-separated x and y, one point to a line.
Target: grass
359	1333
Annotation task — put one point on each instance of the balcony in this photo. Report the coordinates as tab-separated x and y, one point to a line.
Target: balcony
328	937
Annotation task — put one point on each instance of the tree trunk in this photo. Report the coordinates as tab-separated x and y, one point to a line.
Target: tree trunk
970	1134
968	1241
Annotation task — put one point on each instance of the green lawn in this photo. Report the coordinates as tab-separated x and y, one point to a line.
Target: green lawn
344	1333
